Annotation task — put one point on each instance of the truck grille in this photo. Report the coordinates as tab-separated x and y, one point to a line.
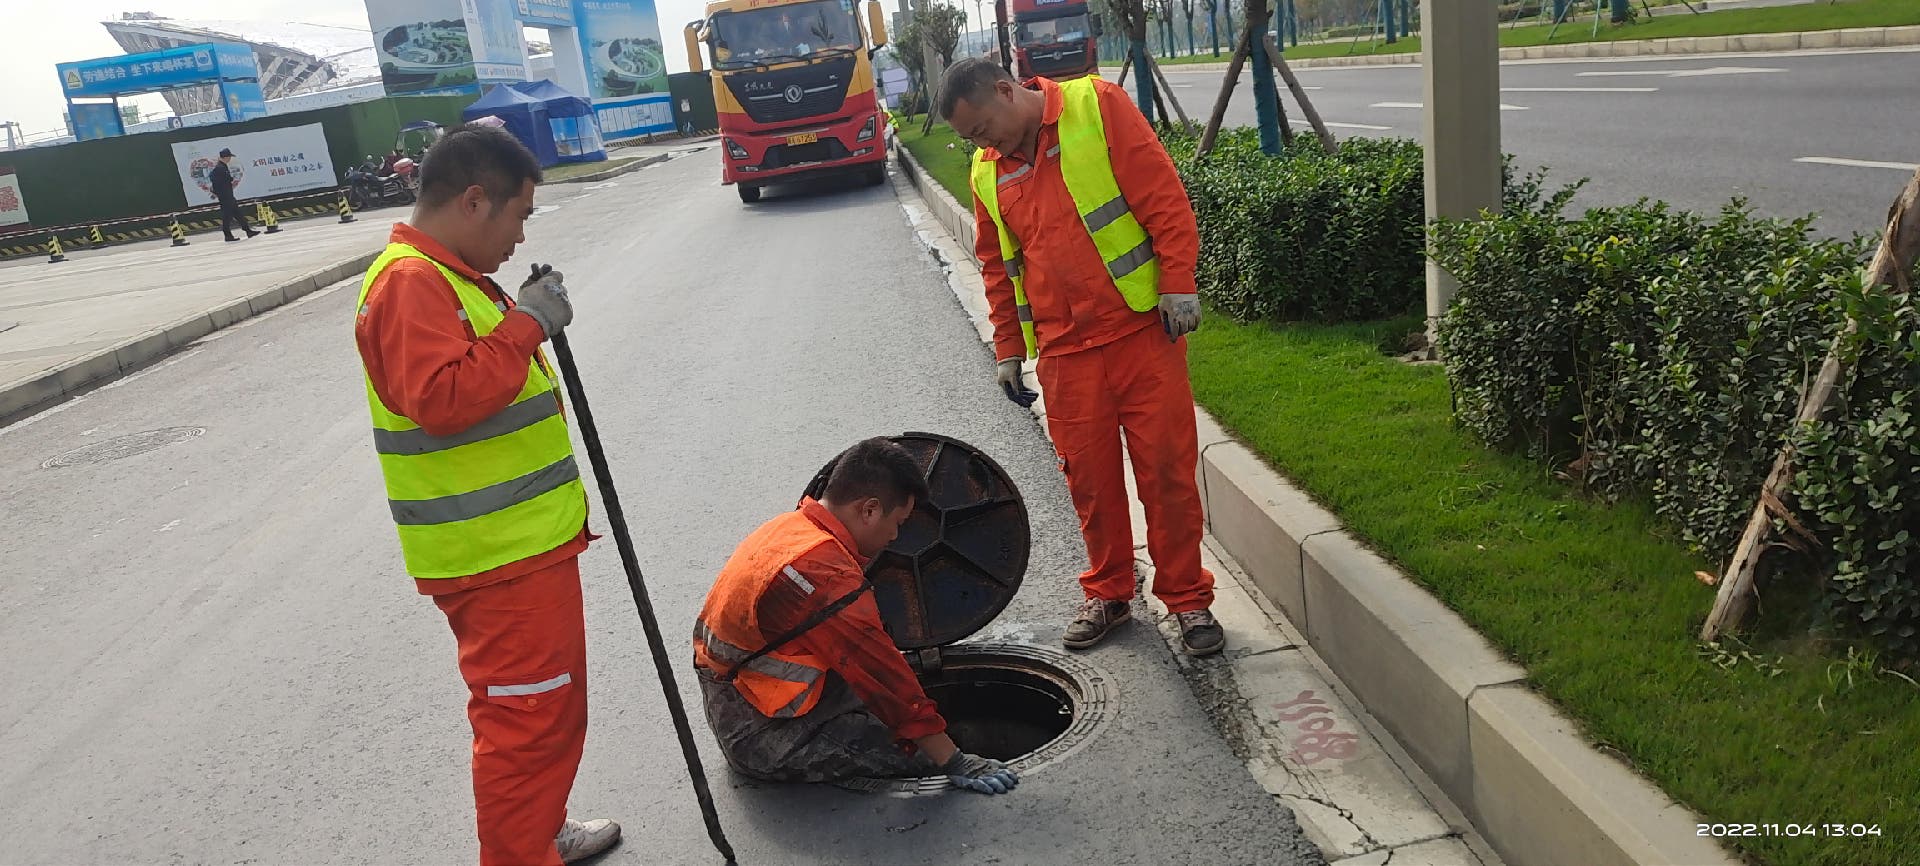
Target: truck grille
1052	61
783	155
779	96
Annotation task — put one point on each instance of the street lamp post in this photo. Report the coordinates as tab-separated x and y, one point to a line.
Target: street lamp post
1461	65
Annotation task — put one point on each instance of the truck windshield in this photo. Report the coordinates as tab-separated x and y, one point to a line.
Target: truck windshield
1053	31
784	33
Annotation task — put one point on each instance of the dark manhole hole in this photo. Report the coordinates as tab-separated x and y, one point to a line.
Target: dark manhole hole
1024	705
123	446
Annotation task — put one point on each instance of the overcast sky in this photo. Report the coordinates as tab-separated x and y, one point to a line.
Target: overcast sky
64	30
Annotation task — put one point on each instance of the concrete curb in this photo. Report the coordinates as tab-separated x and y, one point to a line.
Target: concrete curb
1753	43
50	386
655	159
1537	789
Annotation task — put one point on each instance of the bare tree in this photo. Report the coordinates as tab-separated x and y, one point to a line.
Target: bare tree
945	22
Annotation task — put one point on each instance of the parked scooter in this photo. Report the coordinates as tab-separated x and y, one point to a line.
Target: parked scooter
372	183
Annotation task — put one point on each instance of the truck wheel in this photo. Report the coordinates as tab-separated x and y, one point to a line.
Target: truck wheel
748	194
876	174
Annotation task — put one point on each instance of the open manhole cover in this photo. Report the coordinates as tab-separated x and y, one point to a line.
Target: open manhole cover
123	446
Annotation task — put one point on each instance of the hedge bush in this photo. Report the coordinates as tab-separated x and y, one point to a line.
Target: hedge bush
1307	235
1647	351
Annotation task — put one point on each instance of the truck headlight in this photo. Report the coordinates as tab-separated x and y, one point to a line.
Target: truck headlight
736	151
867	131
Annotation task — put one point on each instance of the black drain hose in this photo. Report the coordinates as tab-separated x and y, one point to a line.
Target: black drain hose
618	519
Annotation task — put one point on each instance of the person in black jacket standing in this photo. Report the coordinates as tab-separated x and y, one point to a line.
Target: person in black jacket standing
222	179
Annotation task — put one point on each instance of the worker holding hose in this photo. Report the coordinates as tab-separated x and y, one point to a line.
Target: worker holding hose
480	476
1087	246
801	681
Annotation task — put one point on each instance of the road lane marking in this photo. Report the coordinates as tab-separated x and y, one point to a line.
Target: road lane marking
1858	163
1503	106
1684	73
1334	124
1579	90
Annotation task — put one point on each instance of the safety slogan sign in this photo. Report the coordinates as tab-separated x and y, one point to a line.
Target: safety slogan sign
269	163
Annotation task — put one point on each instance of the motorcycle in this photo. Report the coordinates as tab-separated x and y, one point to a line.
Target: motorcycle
370	183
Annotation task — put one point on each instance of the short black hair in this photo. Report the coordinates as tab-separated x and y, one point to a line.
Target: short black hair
876	468
971	79
476	155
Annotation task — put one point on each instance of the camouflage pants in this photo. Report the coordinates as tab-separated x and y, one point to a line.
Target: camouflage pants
839	739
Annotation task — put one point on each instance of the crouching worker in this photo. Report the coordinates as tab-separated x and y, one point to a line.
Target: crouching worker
802	682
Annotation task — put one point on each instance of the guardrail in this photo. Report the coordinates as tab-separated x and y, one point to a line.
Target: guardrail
56	241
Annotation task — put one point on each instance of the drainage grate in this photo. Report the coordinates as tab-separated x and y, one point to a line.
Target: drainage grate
1084	689
123	446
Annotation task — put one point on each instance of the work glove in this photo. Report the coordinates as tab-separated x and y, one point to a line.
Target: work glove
1008	375
1179	315
544	297
980	775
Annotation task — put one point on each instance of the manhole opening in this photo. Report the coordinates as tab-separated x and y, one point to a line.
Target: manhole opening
1000	712
1028	706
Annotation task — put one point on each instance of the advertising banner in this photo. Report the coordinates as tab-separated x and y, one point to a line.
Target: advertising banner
236	61
423	46
545	13
13	205
621	41
626	70
158	70
245	100
499	47
91	120
269	163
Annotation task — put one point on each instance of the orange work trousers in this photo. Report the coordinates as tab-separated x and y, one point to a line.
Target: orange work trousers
523	654
1136	384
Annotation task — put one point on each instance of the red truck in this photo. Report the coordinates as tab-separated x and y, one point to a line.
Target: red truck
1058	39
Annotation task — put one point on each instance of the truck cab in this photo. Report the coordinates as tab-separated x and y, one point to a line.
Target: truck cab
1056	39
794	86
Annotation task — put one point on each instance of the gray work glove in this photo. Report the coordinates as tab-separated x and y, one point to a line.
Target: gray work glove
1179	314
544	297
980	775
1008	374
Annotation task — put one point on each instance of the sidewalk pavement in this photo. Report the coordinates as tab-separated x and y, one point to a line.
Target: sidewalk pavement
67	326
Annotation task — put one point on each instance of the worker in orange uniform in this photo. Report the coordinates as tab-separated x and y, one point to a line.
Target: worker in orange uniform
1088	246
482	482
801	681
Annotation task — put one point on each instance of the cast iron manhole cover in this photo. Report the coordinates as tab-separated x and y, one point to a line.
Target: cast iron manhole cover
123	446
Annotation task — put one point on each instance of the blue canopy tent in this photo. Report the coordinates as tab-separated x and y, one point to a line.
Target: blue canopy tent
556	125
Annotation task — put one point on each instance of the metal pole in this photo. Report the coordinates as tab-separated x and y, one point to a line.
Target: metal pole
617	519
1460	48
1387	16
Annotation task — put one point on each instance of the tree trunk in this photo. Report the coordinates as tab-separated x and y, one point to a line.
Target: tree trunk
1213	26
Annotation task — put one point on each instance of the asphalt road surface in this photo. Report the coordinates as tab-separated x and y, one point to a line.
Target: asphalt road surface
213	655
1793	133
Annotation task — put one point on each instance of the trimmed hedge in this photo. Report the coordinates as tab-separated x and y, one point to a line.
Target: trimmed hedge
1647	351
1307	235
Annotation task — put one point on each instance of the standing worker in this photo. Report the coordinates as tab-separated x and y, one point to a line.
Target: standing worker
1088	246
801	681
481	479
222	180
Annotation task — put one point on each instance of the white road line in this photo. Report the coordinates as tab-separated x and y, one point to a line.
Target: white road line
1334	124
1858	163
1503	106
1579	90
1684	73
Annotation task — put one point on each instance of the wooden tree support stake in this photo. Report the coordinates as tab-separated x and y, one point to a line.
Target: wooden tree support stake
1212	132
1300	95
1891	264
1172	97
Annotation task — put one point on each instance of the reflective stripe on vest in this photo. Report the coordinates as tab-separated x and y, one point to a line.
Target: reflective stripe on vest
1084	164
498	492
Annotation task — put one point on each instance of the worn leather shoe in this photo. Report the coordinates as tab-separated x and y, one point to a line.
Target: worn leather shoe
579	840
1096	618
1200	633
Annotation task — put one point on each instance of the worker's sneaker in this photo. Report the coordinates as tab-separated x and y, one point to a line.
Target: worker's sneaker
579	840
1096	618
1200	633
